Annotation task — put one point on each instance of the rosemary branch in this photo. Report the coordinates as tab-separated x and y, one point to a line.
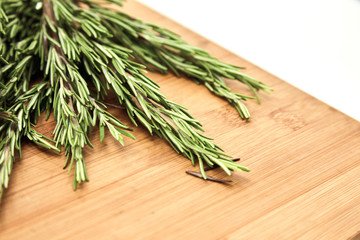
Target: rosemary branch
63	57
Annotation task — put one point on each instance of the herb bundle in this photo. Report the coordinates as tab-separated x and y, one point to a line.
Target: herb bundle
81	51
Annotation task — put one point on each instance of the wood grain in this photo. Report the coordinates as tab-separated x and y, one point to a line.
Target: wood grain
304	183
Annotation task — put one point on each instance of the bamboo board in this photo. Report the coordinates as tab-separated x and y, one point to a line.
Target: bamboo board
304	183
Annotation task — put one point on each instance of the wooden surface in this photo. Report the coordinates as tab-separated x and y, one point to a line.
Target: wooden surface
304	183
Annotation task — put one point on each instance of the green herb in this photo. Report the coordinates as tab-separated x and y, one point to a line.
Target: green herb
63	57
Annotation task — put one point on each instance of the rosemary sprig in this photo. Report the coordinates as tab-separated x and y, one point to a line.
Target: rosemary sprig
16	124
63	57
162	50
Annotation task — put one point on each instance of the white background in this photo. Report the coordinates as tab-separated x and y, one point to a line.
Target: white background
312	44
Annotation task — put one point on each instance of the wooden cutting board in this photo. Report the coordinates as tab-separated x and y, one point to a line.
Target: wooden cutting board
304	184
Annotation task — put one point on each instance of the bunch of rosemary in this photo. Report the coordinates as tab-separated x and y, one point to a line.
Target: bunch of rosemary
63	57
